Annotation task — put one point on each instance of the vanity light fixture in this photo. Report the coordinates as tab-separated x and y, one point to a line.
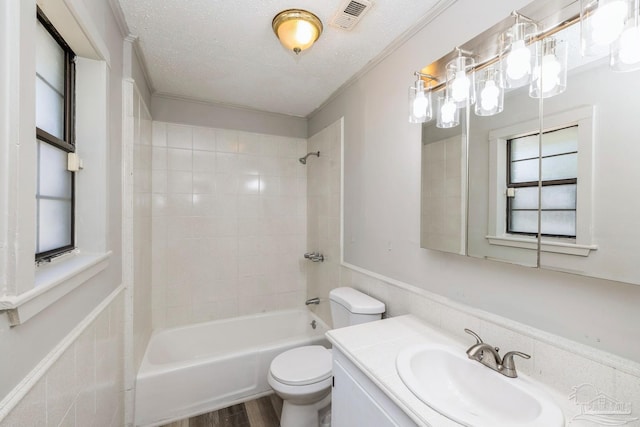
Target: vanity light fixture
489	91
625	52
297	29
461	79
517	51
420	105
549	76
601	23
448	115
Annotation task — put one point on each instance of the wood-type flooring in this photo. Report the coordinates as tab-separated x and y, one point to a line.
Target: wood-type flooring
262	412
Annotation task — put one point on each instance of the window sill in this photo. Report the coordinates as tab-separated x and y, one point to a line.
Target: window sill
52	282
557	247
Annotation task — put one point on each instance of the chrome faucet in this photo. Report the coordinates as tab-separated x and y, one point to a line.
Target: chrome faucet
314	256
310	301
489	356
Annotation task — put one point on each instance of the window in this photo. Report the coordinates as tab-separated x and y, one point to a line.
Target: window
55	81
567	159
559	166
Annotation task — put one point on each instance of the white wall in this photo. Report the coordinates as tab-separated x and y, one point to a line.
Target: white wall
193	112
229	223
382	205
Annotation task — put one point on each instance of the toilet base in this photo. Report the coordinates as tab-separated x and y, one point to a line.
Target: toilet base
302	415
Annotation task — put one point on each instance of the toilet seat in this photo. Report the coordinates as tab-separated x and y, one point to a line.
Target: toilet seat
302	365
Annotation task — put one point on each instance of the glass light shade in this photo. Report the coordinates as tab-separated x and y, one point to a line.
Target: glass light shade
517	54
489	92
549	76
448	112
297	29
625	51
460	83
420	108
601	23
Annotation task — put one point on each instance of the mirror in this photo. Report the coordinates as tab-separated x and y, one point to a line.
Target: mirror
593	125
487	178
444	188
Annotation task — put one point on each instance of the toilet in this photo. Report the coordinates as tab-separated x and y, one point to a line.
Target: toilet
302	376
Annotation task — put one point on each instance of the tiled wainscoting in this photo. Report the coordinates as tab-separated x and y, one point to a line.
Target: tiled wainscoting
80	383
565	366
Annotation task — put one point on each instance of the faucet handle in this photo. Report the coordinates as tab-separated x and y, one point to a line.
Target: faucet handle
476	336
508	366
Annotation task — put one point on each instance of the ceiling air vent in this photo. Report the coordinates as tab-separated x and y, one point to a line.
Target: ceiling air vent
350	14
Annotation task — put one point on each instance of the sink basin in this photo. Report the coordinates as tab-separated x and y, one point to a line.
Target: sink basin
472	394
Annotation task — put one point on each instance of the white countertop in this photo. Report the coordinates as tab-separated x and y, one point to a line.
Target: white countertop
373	348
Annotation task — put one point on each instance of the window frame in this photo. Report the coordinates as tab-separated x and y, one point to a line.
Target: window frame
68	143
583	244
534	184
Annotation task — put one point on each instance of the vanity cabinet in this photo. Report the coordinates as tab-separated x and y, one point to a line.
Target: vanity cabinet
357	402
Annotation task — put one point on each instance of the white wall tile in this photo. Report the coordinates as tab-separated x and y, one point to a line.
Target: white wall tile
179	159
67	393
226	140
179	136
204	139
159	134
233	196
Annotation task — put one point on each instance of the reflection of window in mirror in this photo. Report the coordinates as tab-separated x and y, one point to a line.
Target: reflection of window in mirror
565	210
559	183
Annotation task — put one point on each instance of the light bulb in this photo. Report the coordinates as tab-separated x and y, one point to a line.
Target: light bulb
304	32
448	111
489	96
607	22
420	104
630	46
551	69
460	87
518	61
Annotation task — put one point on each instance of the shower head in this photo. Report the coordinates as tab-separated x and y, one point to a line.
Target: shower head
303	160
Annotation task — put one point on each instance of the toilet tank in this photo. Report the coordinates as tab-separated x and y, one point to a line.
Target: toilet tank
352	307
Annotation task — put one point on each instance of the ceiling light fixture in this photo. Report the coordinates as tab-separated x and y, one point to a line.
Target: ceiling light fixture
297	29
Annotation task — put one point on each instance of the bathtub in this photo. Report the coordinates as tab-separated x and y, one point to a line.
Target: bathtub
203	367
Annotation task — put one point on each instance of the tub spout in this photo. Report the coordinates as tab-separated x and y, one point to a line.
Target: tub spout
312	301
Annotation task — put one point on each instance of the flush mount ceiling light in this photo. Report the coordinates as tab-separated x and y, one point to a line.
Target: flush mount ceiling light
297	29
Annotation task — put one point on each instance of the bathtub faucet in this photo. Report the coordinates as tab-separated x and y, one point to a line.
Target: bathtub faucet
314	256
312	301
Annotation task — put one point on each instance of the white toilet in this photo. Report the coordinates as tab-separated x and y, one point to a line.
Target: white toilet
302	376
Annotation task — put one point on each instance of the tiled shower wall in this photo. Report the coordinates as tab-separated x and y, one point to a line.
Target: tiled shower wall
229	223
323	207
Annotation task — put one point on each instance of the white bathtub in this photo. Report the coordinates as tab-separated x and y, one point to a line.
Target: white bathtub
199	368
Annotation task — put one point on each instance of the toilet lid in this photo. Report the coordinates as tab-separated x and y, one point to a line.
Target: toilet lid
302	365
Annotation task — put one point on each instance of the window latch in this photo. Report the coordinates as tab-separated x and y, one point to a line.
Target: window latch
74	162
511	192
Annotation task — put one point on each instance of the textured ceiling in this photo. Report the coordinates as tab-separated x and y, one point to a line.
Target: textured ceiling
225	51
